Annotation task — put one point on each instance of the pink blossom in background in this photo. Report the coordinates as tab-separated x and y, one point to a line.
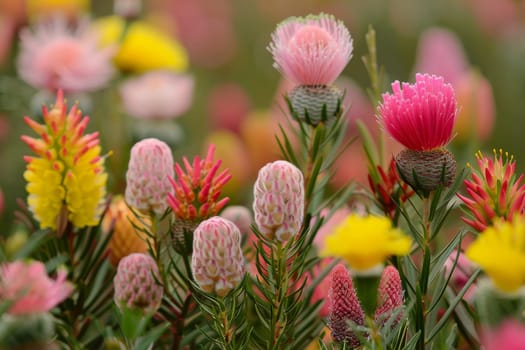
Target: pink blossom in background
495	17
357	106
157	95
440	52
54	56
312	50
228	106
508	336
460	275
30	288
329	225
322	289
420	116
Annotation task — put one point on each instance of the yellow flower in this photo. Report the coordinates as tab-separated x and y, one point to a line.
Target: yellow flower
68	172
500	252
142	46
366	241
37	8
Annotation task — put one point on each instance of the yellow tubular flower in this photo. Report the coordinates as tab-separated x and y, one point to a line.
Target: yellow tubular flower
143	47
366	241
68	171
500	252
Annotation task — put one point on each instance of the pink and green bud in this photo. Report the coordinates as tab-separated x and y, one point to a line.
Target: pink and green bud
136	283
217	262
279	200
147	184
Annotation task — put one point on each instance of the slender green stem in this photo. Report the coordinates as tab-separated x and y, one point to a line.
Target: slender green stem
427	234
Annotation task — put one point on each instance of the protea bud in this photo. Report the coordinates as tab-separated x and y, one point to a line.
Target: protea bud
344	307
390	296
316	104
136	283
217	262
127	236
147	184
279	200
426	170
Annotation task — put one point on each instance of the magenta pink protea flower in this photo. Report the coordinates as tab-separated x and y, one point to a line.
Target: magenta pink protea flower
54	56
136	283
344	307
157	95
217	262
279	200
389	294
420	116
312	50
28	286
147	179
509	335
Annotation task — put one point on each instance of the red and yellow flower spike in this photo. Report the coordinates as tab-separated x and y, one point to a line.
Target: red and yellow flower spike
494	191
67	175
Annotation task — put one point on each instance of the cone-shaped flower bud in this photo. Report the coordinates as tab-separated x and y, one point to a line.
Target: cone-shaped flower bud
494	191
279	200
426	170
344	307
217	262
66	181
147	185
390	296
121	222
315	104
136	283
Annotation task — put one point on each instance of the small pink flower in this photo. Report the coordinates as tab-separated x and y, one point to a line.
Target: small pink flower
279	200
390	295
147	179
421	115
217	262
312	50
54	56
157	95
28	286
344	307
136	283
509	336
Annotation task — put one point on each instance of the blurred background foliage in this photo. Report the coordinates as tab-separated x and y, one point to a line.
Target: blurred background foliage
236	87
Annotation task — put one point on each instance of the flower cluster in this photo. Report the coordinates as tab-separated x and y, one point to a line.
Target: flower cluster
67	176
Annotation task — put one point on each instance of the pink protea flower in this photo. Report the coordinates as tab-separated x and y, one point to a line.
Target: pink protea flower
312	50
494	191
217	262
420	116
54	56
28	286
147	179
279	200
509	335
389	294
136	283
344	307
196	190
157	95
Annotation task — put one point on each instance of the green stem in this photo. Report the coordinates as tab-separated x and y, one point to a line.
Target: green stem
425	270
280	287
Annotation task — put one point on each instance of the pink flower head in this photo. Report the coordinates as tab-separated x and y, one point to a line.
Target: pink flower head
136	283
421	115
147	179
312	50
28	286
279	200
494	191
389	294
509	336
344	307
217	262
157	95
54	56
197	189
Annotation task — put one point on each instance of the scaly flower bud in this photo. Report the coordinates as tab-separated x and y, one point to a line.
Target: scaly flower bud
136	284
390	296
147	178
67	176
279	200
316	104
217	262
